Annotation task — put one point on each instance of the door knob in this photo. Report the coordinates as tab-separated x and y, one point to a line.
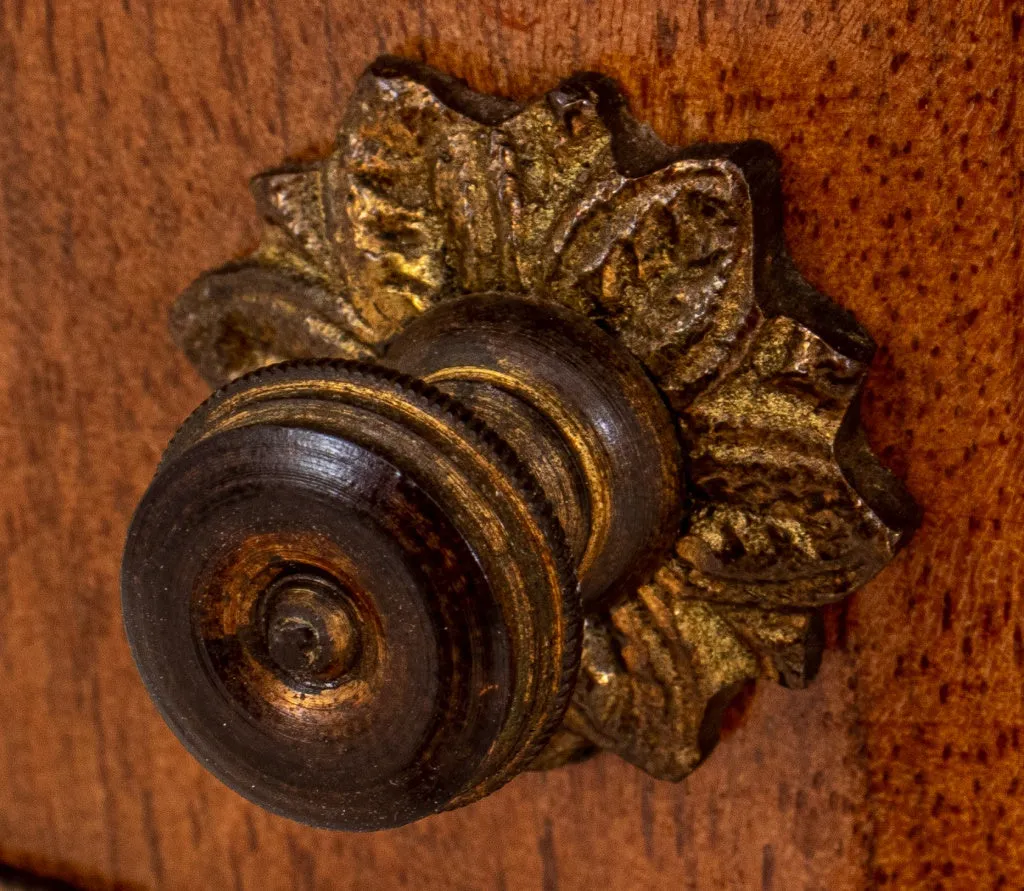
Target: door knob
529	442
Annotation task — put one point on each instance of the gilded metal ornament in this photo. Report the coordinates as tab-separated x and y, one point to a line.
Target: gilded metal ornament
605	434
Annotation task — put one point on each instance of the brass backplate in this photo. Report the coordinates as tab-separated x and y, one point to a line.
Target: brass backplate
433	192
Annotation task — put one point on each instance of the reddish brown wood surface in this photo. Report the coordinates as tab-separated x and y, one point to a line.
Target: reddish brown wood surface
127	132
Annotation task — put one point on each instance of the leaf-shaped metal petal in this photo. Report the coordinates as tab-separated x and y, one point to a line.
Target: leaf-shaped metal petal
286	300
778	522
248	315
666	261
656	676
390	232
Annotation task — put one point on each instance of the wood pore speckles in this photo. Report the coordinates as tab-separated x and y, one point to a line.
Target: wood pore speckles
128	133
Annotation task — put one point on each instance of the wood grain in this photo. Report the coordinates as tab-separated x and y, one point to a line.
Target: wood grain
128	131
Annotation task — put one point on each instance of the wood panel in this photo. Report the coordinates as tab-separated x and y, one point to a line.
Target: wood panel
127	132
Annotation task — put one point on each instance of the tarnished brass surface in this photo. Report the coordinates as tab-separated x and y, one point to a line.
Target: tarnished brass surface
777	506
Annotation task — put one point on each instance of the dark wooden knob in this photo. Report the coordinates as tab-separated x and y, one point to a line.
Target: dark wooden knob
355	591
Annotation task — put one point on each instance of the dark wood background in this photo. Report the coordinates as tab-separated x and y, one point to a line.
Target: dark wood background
127	132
